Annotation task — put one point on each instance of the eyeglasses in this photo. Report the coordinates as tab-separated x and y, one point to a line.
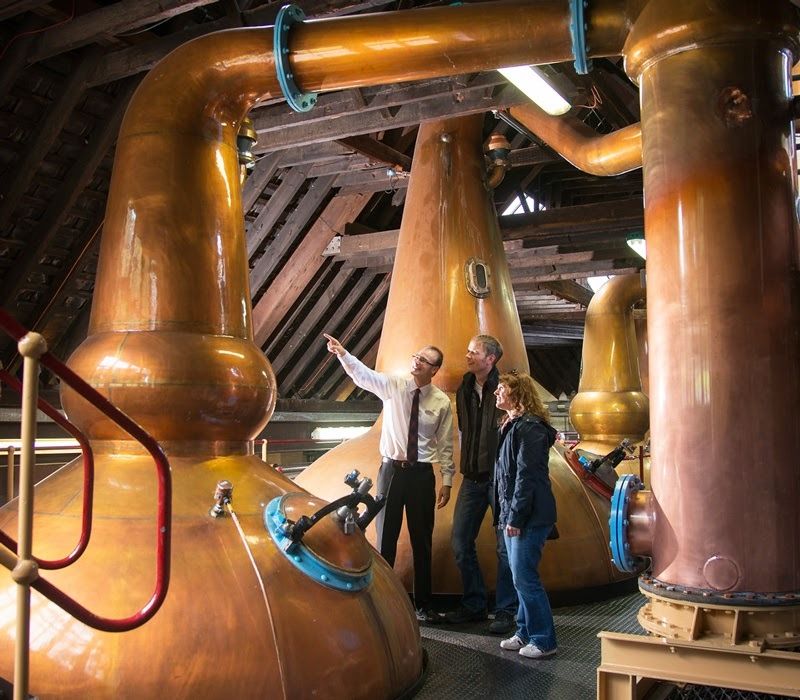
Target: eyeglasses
425	360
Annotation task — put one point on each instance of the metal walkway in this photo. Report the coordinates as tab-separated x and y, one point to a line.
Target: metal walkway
467	663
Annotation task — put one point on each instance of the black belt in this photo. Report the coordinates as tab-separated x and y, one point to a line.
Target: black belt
398	464
480	478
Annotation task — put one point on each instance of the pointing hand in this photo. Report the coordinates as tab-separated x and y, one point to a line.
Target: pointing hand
334	345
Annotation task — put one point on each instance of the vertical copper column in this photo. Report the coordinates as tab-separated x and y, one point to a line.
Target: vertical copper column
720	177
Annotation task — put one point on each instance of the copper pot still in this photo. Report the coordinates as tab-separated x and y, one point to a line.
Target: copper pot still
449	226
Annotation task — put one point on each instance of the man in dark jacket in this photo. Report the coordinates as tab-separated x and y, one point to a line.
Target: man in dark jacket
478	422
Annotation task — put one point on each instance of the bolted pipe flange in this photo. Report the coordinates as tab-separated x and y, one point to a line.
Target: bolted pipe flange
298	100
577	32
618	523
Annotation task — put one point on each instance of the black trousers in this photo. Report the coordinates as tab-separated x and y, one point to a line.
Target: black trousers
415	491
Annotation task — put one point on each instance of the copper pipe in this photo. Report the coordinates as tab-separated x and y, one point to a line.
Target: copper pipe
610	404
606	154
417	44
723	302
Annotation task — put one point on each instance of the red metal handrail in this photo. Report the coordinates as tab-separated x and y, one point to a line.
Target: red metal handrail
88	483
164	518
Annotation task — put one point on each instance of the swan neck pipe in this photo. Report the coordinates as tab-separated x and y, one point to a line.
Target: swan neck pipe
607	154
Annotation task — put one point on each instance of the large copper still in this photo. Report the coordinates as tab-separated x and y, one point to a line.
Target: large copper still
170	344
449	226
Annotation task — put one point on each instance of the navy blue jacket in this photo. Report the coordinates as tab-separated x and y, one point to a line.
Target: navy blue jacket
522	480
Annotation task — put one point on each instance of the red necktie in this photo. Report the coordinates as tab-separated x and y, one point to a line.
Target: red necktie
412	451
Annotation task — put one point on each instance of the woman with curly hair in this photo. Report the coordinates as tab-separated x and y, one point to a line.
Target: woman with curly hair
526	508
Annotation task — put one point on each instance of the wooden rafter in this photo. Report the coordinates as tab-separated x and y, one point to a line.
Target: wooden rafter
75	181
306	261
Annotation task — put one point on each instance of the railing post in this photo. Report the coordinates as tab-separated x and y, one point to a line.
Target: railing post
264	451
10	474
32	346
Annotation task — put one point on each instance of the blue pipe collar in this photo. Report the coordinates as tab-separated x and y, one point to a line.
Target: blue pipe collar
577	32
304	559
299	101
621	556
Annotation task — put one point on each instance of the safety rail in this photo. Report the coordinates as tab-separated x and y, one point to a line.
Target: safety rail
88	482
17	556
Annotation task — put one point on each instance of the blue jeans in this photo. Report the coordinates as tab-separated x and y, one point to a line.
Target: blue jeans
535	618
474	498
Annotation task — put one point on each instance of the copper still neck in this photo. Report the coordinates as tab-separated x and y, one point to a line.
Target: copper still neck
610	405
451	279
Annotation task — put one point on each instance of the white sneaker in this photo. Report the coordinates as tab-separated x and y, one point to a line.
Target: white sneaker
531	651
513	644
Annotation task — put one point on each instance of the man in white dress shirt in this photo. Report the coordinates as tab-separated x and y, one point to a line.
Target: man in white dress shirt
406	473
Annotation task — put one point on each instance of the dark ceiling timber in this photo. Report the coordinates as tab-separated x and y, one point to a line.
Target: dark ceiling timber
324	201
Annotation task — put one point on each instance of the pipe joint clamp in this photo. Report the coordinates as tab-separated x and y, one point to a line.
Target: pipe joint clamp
618	523
299	101
577	32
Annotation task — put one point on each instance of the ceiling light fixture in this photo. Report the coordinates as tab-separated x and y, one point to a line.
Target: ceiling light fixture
531	81
637	243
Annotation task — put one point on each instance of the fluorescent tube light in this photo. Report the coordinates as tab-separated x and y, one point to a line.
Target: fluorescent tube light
530	80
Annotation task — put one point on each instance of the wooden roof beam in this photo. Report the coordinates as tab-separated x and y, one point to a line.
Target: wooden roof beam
113	19
475	100
321	310
44	136
75	181
289	235
283	292
333	318
352	335
290	185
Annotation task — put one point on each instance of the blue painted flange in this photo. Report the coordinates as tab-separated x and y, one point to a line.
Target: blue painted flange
299	101
577	32
618	523
304	559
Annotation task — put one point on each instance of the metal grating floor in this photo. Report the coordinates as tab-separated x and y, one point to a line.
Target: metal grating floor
466	662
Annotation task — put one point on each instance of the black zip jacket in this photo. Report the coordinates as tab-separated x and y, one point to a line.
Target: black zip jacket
478	425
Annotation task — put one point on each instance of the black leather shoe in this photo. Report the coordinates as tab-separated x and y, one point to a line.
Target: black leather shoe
461	615
504	622
428	615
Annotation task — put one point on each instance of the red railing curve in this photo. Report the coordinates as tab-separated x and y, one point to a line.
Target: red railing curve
164	516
